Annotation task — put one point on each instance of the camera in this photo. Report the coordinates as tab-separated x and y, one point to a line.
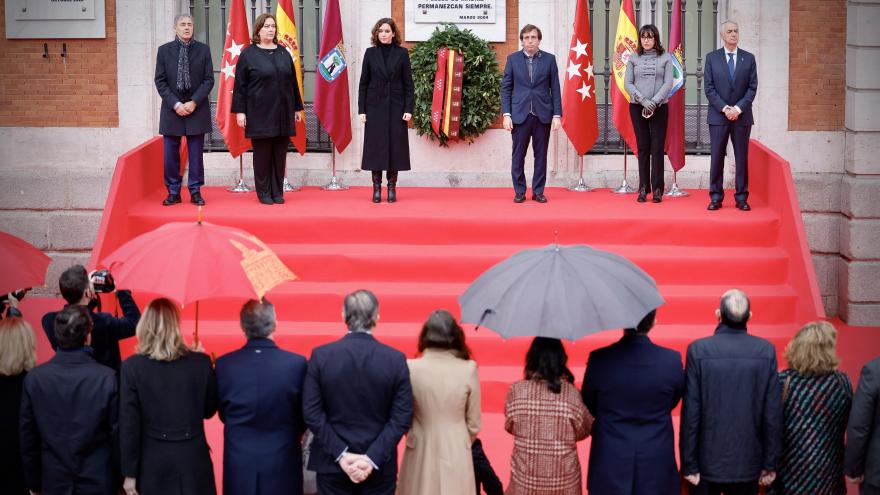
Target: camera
19	295
102	281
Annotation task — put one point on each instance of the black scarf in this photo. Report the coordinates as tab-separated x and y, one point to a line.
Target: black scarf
183	81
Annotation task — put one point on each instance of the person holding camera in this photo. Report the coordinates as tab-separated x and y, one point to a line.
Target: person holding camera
79	288
648	81
9	304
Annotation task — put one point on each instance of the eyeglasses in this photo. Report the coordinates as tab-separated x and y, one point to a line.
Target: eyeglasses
647	37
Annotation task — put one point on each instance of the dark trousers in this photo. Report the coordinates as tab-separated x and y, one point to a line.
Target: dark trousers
390	174
650	139
710	488
196	174
484	475
378	483
269	163
531	129
739	136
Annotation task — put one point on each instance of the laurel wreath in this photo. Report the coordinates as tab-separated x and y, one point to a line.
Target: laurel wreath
481	82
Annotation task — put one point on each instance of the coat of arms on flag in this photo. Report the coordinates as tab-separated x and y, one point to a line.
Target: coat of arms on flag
677	71
332	64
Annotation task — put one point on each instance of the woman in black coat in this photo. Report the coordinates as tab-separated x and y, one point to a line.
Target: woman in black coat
18	354
385	105
167	391
267	104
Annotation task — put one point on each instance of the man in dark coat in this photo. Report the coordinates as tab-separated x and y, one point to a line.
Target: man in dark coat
731	418
107	330
184	78
731	82
532	104
357	400
631	388
260	392
862	463
69	412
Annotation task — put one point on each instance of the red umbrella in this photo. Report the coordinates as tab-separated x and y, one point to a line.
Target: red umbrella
23	266
191	261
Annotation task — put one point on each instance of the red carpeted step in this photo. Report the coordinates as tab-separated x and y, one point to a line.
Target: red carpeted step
413	301
465	262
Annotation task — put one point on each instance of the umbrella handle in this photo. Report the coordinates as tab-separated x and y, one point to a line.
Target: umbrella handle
483	317
196	334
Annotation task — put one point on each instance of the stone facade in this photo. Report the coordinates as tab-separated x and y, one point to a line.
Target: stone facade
830	140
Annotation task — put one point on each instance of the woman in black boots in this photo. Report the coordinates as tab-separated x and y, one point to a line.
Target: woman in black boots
385	106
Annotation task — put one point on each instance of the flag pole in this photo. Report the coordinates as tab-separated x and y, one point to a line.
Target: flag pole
624	186
674	191
581	185
335	184
240	187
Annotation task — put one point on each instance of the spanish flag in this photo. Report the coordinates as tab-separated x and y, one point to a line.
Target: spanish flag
625	43
289	38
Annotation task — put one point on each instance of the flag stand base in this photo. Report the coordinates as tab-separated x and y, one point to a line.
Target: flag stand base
675	192
580	186
624	188
334	185
288	187
240	186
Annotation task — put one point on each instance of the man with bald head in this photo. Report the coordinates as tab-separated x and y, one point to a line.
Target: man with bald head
731	419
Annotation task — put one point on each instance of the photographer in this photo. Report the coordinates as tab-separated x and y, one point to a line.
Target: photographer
77	288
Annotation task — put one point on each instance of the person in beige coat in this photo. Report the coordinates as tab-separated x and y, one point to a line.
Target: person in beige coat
446	419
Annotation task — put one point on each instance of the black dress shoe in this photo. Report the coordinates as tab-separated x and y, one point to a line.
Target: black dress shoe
171	199
197	199
714	205
742	205
642	198
540	198
279	200
266	200
656	198
519	198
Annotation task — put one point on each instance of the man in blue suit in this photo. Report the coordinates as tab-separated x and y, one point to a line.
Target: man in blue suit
731	79
531	103
631	388
260	390
184	78
357	400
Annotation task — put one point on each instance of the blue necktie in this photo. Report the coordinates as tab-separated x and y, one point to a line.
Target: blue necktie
730	66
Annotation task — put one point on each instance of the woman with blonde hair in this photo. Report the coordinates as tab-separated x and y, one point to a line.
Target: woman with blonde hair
167	391
816	401
18	354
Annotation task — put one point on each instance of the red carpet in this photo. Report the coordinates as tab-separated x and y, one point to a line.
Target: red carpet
419	255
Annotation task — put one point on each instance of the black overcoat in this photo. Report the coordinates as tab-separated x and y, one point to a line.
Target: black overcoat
69	411
163	405
260	391
201	72
385	93
11	470
266	92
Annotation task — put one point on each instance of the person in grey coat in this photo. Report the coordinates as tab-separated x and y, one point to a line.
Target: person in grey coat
862	458
648	81
184	78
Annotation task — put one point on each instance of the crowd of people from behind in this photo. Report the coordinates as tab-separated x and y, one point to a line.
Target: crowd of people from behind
85	422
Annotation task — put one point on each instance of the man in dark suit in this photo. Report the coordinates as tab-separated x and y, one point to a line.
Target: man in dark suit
862	463
731	416
531	103
184	78
631	388
731	79
357	400
260	391
76	288
69	411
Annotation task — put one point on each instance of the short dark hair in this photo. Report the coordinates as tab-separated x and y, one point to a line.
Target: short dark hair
441	331
646	324
72	325
73	283
257	318
654	33
360	310
258	25
528	28
546	360
374	34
